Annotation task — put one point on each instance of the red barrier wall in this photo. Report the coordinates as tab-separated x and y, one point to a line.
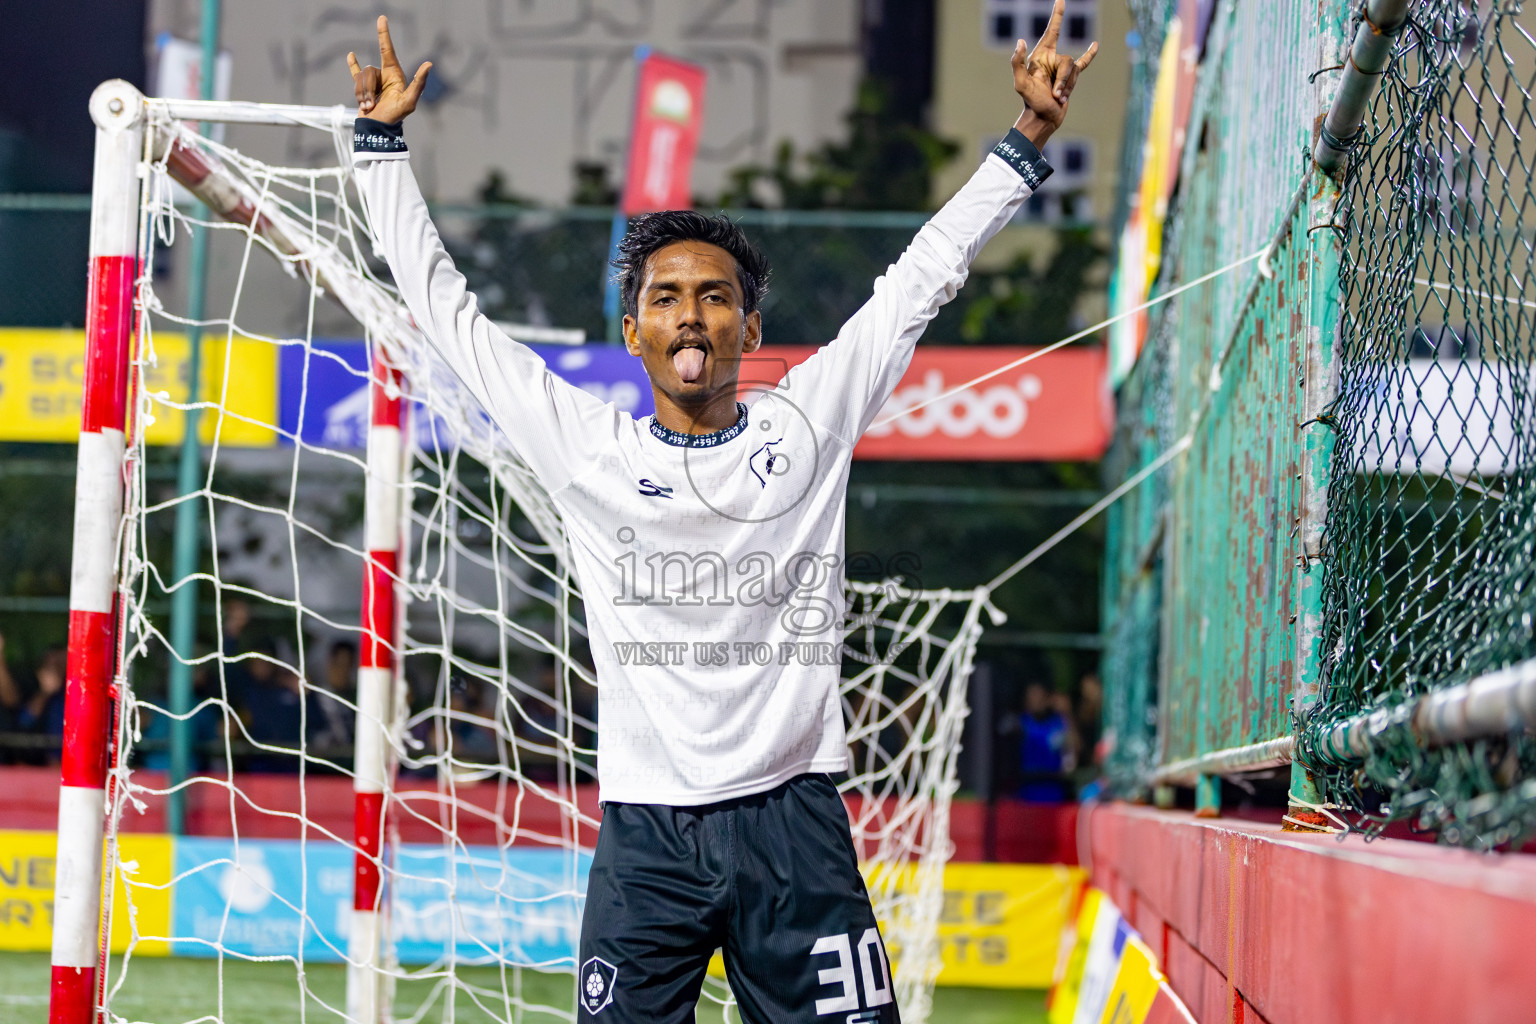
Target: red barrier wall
1255	924
267	806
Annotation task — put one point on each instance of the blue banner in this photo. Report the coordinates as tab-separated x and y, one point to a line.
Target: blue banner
280	897
323	386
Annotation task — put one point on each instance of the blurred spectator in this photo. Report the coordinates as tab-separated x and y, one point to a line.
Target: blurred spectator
277	712
333	703
236	613
469	725
10	693
204	724
10	703
537	722
1046	744
43	711
458	740
1090	719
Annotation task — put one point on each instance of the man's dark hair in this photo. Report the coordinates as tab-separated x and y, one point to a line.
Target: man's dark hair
650	232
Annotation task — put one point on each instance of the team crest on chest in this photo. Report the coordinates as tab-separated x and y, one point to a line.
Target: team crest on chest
765	460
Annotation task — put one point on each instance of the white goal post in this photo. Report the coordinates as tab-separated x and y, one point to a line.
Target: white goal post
428	827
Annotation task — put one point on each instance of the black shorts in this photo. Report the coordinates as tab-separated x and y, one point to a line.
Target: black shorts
772	879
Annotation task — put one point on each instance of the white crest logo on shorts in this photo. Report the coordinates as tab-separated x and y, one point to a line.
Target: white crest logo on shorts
597	978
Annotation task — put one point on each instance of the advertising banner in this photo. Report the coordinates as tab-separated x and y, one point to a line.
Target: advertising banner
1109	975
1054	408
1001	924
26	892
476	906
42	376
669	114
1140	251
323	389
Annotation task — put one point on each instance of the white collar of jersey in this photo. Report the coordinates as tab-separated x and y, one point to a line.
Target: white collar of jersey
710	440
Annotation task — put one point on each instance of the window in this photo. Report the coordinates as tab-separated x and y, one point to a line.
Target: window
1063	199
1007	21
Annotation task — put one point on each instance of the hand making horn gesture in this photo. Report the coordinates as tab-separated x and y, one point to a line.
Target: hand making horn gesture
1044	79
382	92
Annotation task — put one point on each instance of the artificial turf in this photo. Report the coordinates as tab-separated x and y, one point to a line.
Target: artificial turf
170	991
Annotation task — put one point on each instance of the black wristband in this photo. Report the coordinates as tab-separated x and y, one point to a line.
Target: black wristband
1022	156
370	136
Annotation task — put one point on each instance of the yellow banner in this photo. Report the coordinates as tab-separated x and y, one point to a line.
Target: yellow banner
26	892
1136	985
1108	974
1073	961
42	376
1001	924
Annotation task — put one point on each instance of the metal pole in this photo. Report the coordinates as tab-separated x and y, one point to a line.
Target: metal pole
367	985
1498	703
118	111
188	535
613	311
1380	23
1317	438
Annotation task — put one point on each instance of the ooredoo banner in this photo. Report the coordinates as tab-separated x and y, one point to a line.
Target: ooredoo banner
1055	407
669	113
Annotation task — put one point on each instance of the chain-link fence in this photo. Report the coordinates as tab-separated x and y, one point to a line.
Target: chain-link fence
1199	577
1350	529
1429	539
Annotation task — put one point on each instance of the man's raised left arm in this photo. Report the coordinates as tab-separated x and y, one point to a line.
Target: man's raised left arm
845	384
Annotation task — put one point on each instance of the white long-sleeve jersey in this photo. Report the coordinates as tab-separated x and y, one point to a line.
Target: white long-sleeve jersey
711	565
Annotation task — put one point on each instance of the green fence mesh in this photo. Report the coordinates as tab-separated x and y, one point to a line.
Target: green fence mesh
1199	576
1430	532
1425	567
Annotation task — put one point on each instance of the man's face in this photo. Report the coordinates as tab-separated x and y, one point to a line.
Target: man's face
690	331
1037	700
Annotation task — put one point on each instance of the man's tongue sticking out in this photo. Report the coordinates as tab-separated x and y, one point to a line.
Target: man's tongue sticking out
689	363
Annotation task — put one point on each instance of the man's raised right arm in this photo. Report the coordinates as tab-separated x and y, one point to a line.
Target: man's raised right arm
550	423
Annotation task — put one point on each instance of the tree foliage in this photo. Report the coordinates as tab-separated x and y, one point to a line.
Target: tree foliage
1029	302
885	163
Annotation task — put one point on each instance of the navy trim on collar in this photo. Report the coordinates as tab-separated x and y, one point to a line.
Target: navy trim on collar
718	437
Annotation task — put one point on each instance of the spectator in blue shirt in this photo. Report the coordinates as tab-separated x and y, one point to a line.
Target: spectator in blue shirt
1047	744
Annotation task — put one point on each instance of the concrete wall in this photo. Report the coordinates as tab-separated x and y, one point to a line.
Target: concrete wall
1254	924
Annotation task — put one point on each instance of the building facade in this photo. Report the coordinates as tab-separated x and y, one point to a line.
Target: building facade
974	104
531	88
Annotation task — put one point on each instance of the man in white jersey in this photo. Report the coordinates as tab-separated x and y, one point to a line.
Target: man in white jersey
708	541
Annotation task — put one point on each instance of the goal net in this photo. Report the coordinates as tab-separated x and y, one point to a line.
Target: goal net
391	796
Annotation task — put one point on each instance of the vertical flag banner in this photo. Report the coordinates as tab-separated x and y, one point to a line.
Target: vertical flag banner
669	114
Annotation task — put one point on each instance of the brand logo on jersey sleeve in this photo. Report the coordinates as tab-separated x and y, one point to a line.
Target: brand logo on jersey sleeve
597	981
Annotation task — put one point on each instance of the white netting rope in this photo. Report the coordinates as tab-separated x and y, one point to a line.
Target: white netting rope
492	722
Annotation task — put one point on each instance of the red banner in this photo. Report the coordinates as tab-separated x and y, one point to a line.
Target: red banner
669	113
1056	407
